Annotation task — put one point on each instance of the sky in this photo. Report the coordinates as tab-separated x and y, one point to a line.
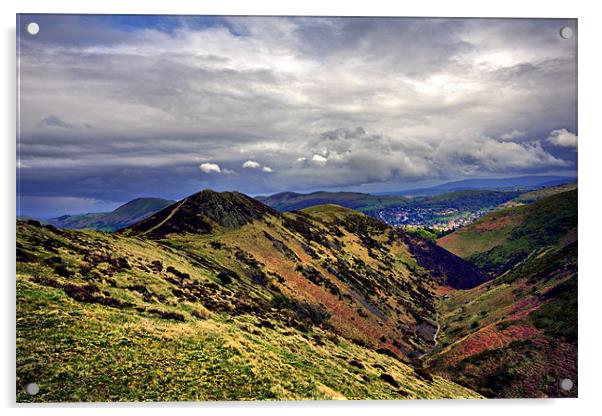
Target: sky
117	107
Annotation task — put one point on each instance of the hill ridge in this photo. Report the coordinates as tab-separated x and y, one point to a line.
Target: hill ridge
126	214
201	213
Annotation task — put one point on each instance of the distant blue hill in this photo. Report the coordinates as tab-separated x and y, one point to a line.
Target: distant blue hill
521	182
127	214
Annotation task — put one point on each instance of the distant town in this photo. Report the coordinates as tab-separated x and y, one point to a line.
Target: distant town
445	219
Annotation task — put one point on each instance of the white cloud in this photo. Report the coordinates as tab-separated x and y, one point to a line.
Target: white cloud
563	138
513	135
319	159
251	164
210	168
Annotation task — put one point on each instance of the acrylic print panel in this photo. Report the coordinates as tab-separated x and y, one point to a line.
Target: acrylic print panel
284	208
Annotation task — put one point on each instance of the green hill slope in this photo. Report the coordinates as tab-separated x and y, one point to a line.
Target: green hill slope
503	238
219	297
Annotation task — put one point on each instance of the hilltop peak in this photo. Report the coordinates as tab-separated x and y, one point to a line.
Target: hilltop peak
201	212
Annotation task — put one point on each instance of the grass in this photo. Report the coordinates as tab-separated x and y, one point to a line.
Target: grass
83	352
486	233
558	318
505	237
325	303
106	317
533	196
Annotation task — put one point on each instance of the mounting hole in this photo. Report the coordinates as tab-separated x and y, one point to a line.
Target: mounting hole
566	32
32	389
33	28
566	384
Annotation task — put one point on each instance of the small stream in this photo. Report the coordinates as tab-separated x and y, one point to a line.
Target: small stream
434	338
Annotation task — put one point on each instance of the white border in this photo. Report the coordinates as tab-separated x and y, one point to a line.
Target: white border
590	200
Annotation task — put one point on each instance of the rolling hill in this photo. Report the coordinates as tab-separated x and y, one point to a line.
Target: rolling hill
127	214
470	200
516	335
291	201
219	297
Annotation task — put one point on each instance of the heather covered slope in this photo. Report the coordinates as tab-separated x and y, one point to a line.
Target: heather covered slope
326	303
516	336
129	213
356	268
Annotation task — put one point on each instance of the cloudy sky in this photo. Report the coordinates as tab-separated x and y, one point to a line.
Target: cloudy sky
117	107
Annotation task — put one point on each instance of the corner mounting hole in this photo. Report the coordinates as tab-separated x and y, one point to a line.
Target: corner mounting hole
566	384
33	28
32	389
566	32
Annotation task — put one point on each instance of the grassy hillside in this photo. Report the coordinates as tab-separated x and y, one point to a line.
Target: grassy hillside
505	237
516	335
490	231
83	351
534	196
320	304
127	214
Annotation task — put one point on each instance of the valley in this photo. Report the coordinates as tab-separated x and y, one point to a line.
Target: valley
515	335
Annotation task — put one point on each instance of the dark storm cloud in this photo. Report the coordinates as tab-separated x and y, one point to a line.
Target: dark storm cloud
116	107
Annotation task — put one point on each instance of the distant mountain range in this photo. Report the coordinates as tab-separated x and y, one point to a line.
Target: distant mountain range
450	194
291	201
127	214
518	183
370	203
